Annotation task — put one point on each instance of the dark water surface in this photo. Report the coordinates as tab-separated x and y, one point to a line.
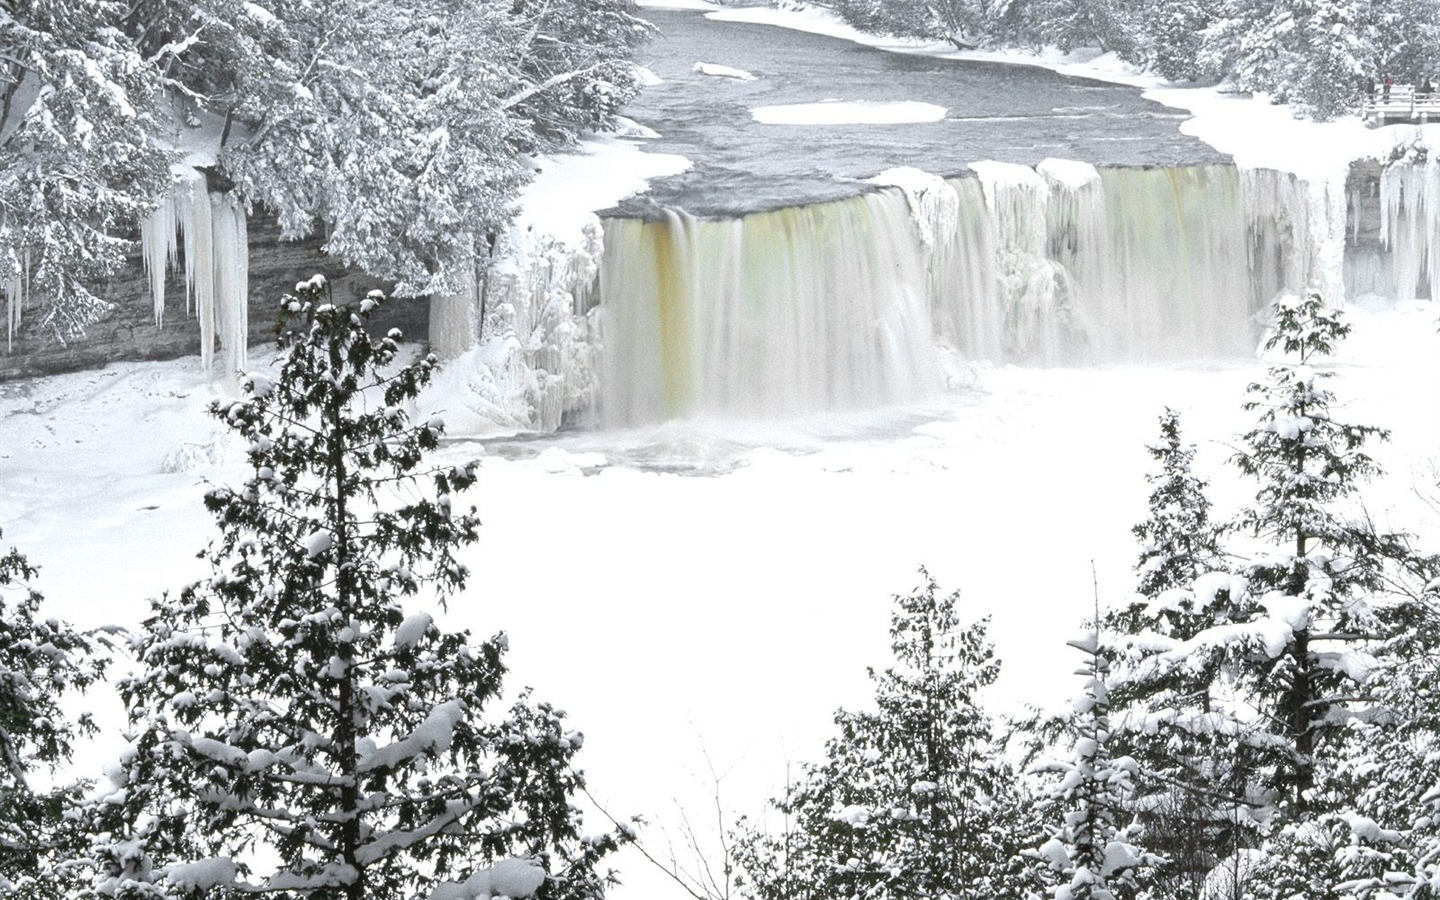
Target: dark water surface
1009	113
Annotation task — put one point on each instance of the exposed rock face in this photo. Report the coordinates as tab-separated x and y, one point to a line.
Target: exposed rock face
130	333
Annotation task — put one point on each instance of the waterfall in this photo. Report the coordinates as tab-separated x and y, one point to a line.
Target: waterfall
212	231
1410	225
867	301
777	314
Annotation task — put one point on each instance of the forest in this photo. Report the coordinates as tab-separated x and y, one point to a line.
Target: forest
1322	57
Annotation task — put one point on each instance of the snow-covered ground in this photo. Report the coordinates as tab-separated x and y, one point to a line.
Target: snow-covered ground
678	617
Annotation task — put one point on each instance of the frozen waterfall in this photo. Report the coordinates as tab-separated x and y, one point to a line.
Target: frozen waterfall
842	305
868	301
212	231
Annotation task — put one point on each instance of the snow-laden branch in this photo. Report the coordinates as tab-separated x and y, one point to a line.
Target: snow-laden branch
519	97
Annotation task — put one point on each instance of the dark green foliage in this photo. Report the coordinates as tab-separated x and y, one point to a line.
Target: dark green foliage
914	799
41	660
288	715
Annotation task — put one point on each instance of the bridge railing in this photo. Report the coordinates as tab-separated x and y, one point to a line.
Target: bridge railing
1401	103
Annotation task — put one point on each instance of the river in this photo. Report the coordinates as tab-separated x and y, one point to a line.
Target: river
993	111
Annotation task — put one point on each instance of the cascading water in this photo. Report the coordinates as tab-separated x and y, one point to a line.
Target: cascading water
867	301
777	314
841	305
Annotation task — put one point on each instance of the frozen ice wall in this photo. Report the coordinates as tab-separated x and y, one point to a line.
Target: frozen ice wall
211	228
1410	225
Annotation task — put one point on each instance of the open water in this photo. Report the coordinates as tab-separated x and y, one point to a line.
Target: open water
997	111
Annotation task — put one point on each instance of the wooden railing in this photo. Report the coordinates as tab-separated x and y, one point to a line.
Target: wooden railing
1402	103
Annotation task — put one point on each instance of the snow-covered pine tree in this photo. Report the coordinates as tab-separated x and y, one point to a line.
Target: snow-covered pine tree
1091	850
1320	565
41	660
300	727
1189	785
914	799
1178	543
78	167
1388	842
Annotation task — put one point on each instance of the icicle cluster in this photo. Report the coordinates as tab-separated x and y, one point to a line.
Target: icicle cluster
1410	225
211	229
14	289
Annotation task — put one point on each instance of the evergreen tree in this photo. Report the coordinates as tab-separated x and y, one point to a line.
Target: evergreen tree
1189	787
1288	670
298	728
1090	852
1321	565
914	799
77	165
40	661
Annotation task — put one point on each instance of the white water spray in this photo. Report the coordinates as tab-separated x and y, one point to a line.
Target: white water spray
864	302
774	315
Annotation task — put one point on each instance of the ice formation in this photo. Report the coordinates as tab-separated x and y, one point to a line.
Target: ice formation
860	302
1410	225
14	289
211	229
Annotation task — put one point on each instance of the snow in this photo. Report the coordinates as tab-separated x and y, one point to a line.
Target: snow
516	878
412	629
202	874
720	71
431	736
605	559
848	112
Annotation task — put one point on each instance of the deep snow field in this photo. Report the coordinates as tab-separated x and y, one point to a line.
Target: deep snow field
725	609
706	594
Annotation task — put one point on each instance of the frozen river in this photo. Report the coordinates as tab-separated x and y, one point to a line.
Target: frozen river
998	111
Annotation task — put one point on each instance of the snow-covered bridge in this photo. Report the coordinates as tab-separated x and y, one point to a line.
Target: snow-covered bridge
1402	104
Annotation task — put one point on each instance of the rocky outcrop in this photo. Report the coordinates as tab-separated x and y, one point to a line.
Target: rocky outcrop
129	332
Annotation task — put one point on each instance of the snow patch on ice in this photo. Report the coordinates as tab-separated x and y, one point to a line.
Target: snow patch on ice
718	71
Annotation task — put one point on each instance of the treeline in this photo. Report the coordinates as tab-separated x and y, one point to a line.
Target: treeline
1260	723
400	127
1320	56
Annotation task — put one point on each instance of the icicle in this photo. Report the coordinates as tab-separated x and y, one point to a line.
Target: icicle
1410	226
453	325
231	280
14	302
158	249
193	212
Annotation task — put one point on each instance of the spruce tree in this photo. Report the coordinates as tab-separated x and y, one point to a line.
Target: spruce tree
1189	786
1315	607
914	799
41	660
1091	851
301	724
1320	566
